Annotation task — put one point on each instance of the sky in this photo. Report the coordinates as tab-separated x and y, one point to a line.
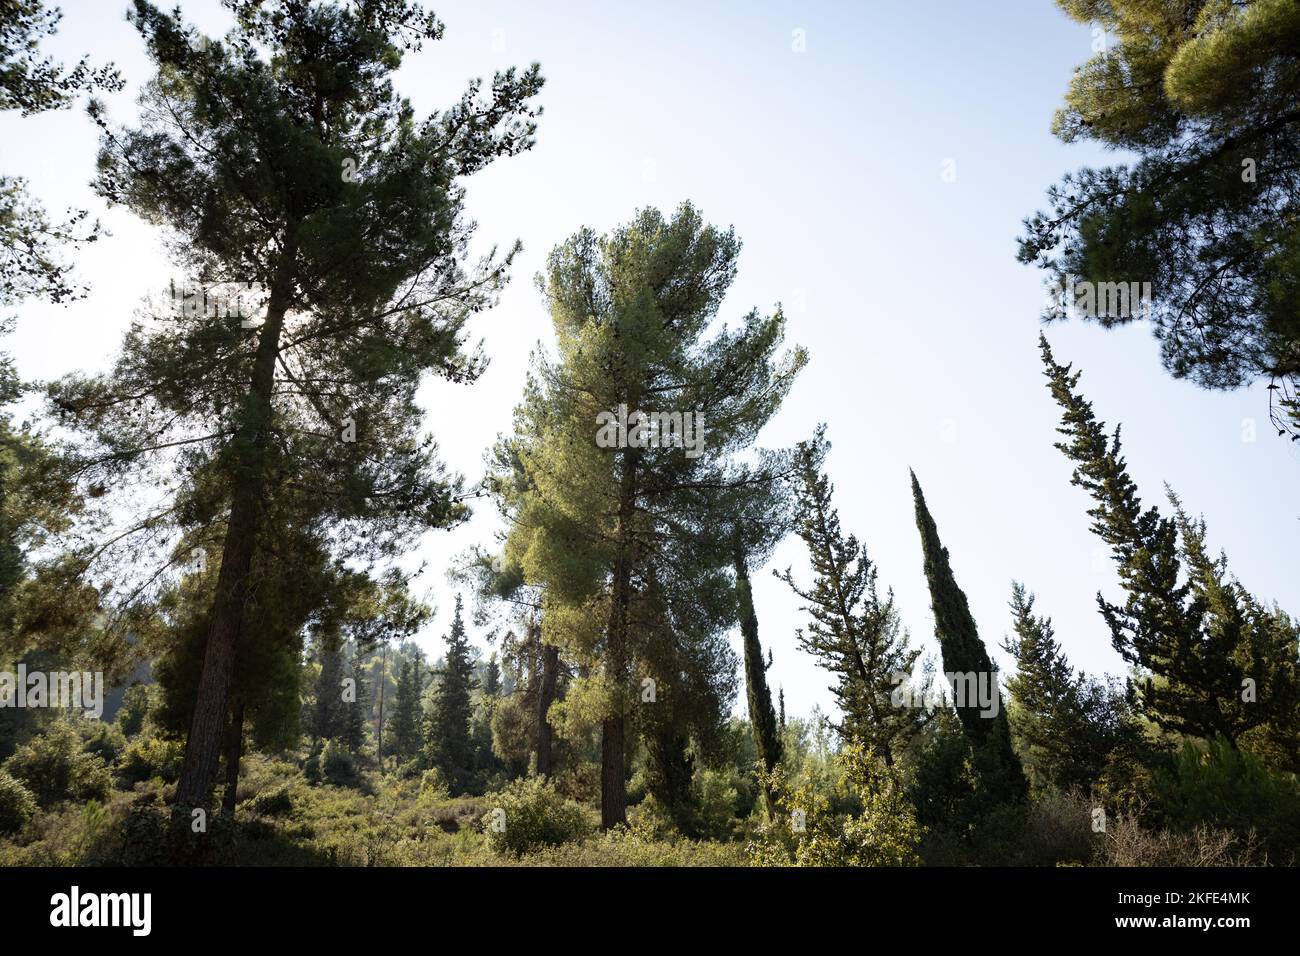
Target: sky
822	131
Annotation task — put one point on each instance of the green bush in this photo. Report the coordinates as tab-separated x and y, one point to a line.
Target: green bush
137	703
337	766
151	757
17	805
1216	786
528	814
105	741
274	803
719	796
808	831
54	767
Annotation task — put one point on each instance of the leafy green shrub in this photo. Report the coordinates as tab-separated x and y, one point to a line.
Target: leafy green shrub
528	814
137	704
337	766
151	757
54	767
274	803
719	795
808	832
17	805
105	741
1218	786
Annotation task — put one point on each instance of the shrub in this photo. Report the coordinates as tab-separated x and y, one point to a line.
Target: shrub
54	767
17	805
274	803
528	814
808	832
137	703
337	766
105	741
719	795
1126	843
151	757
1218	786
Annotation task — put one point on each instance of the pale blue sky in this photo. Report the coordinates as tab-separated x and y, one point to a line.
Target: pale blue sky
921	325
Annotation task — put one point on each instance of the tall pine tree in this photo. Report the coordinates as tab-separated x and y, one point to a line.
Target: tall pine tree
282	160
622	530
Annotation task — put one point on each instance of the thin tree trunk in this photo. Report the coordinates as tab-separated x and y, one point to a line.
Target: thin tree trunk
545	697
613	795
234	753
383	679
208	724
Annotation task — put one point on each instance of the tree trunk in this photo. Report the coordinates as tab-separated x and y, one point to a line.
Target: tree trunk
545	697
234	753
208	724
383	679
613	795
762	718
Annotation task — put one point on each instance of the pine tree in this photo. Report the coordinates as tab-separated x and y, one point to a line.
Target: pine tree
449	747
1211	659
284	162
30	262
621	527
1205	95
965	657
854	633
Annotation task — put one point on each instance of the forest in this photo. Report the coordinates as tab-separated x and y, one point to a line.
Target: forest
215	648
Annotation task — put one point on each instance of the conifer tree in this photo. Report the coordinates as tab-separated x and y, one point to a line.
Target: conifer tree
282	160
1210	658
356	711
328	716
1205	96
989	733
622	530
30	261
762	717
854	633
449	748
1066	725
405	725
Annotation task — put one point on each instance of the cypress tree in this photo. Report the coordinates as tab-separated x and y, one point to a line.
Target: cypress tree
328	722
355	712
964	654
762	718
1210	658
